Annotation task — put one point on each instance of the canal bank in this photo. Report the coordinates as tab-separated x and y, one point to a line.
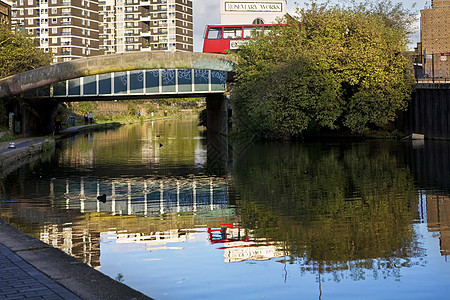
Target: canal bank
31	268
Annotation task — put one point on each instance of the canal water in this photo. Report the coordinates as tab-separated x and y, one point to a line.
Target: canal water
306	220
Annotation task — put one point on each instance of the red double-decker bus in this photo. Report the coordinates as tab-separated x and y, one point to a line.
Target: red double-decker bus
219	38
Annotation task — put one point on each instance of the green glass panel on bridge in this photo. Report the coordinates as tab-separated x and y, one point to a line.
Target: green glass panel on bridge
136	82
217	80
152	81
90	85
120	82
74	86
104	84
168	81
59	88
185	80
201	80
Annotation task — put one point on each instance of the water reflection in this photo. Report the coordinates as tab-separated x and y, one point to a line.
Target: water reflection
346	207
329	212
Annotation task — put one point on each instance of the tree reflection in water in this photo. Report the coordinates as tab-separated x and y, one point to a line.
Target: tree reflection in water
345	210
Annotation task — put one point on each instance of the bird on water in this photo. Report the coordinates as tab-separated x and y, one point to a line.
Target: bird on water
102	198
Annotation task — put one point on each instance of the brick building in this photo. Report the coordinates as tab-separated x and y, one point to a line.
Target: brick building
66	28
71	29
5	12
435	38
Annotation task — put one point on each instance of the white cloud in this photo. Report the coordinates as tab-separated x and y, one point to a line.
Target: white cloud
205	12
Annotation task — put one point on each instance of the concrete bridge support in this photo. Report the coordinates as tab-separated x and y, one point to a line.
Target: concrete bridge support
38	118
217	125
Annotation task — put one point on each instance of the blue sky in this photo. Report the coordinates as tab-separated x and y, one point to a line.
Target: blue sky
208	12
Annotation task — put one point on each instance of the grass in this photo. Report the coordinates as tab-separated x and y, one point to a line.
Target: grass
7	138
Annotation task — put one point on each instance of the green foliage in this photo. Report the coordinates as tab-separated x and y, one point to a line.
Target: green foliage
331	68
329	204
19	53
132	109
151	108
7	137
85	107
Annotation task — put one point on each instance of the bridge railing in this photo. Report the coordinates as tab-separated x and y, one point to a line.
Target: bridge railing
433	80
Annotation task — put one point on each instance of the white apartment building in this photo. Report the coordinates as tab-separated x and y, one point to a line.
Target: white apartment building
136	25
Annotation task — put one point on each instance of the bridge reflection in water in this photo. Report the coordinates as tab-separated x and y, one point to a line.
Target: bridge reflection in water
157	213
144	196
154	212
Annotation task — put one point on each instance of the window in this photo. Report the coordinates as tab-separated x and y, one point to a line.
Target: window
232	33
215	33
258	21
252	31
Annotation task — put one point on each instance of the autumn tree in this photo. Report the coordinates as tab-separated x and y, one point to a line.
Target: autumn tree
334	68
19	52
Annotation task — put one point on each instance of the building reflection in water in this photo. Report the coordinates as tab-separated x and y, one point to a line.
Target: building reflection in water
435	211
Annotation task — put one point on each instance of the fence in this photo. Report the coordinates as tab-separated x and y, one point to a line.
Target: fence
433	67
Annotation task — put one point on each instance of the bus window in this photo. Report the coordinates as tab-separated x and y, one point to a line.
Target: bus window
267	29
214	33
253	31
232	33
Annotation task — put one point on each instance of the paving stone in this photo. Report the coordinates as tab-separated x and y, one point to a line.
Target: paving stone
20	280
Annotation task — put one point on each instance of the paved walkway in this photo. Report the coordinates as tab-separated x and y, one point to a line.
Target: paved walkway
20	280
30	269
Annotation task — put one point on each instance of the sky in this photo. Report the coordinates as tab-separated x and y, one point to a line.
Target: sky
208	12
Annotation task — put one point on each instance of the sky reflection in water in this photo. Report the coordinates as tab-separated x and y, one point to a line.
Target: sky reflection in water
304	220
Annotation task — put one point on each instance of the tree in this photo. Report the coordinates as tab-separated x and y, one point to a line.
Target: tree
19	52
329	68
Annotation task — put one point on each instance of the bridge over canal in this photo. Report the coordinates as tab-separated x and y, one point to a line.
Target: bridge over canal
133	75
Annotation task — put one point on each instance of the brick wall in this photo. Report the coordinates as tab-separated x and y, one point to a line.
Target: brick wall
435	32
